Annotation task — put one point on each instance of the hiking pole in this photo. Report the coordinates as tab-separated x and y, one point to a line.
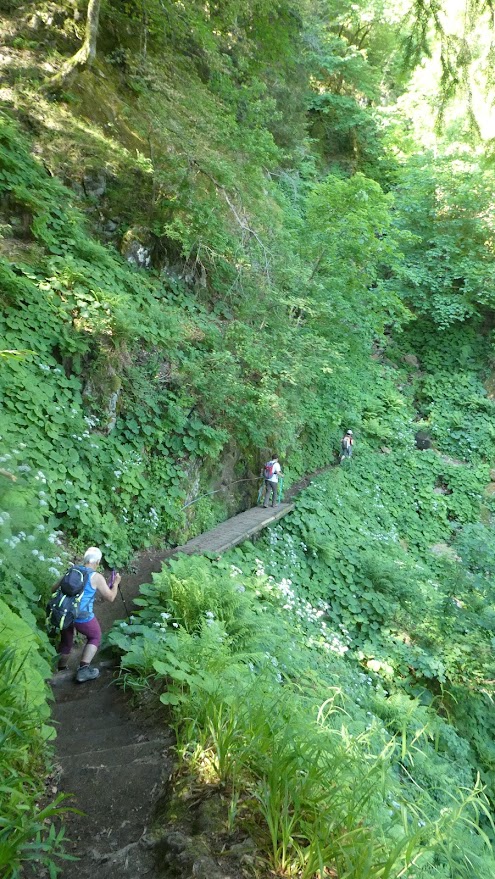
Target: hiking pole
110	586
260	493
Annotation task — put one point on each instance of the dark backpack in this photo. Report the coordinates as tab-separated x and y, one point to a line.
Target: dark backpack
63	607
269	469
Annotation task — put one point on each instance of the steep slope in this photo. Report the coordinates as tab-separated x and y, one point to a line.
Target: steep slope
198	341
214	244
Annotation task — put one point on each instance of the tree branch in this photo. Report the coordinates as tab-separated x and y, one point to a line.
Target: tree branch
243	223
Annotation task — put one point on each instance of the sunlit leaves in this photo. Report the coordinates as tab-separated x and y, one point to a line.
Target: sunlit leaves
450	265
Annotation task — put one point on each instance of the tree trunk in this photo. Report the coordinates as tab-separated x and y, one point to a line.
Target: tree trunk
86	54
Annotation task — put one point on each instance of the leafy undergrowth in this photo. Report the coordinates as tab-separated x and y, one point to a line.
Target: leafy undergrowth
335	681
31	559
326	767
30	831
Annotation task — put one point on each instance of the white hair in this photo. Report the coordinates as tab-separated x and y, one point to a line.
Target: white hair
92	556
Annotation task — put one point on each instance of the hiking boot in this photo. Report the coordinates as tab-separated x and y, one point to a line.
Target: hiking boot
86	673
63	663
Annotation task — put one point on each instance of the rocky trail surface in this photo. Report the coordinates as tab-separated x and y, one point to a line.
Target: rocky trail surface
117	768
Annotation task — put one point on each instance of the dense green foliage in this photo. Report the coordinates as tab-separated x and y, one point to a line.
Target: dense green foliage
450	267
347	597
181	400
27	831
335	768
31	559
240	231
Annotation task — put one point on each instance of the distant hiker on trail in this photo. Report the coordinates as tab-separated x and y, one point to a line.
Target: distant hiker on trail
347	445
271	472
85	621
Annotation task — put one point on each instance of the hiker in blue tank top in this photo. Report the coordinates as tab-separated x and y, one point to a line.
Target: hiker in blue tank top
86	623
271	472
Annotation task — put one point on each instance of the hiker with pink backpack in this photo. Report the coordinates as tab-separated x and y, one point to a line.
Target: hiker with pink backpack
271	472
347	446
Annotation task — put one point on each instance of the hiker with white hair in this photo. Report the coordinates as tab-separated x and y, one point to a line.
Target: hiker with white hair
85	621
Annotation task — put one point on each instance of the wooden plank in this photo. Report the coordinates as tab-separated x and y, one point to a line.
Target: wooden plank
234	530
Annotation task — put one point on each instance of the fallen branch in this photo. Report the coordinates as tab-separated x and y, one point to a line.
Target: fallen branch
8	474
244	225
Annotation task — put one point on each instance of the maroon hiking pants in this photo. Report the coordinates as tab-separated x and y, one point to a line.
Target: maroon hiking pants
90	630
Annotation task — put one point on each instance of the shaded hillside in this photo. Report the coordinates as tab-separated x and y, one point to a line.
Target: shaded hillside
213	332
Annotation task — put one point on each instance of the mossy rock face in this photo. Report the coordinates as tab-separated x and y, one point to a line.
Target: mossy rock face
136	247
95	183
102	392
103	384
195	840
210	817
423	440
485	514
443	550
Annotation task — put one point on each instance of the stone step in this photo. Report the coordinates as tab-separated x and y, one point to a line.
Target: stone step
119	755
91	702
66	689
98	739
121	794
94	714
116	800
133	860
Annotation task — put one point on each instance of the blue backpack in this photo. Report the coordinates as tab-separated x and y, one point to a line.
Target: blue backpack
63	607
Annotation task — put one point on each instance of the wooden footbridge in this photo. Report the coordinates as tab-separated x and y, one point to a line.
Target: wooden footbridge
221	538
234	530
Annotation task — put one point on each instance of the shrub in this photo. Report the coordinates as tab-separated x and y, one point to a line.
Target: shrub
266	705
29	823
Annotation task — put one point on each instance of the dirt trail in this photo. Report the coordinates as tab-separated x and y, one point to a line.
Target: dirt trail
115	765
118	768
